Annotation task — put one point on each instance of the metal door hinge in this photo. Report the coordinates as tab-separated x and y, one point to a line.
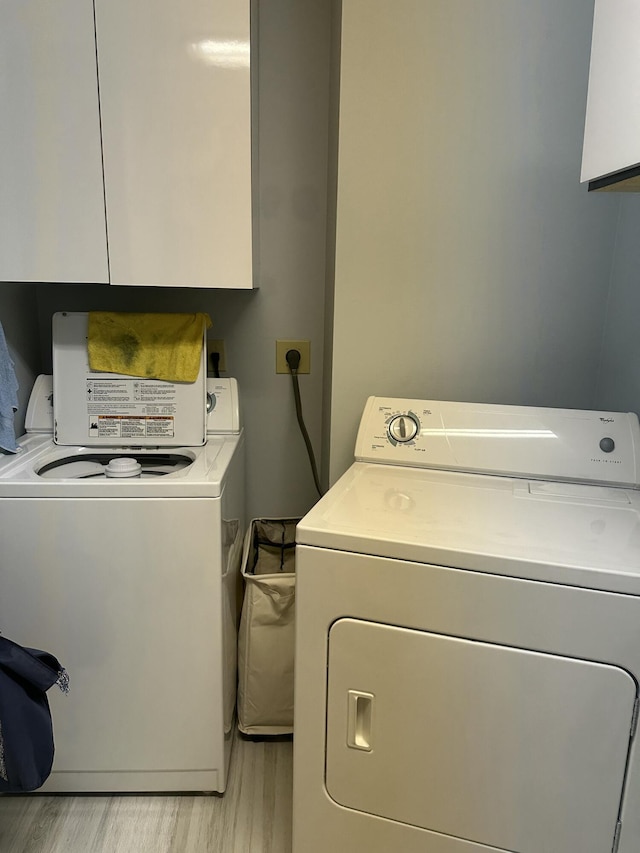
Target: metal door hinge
616	837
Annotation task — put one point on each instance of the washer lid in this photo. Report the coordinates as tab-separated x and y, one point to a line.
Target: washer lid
569	533
117	410
223	406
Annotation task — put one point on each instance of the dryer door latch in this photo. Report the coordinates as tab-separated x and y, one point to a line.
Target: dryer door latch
359	720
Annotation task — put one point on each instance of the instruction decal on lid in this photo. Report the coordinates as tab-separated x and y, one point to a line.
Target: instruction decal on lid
126	408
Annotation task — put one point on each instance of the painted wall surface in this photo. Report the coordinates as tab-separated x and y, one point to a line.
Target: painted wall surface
293	49
18	314
470	262
619	378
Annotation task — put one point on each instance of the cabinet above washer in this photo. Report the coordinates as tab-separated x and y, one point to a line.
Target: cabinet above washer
52	219
127	149
175	103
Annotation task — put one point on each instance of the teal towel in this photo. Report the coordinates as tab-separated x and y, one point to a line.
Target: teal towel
8	398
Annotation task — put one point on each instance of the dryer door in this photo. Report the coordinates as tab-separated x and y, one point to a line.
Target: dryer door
499	746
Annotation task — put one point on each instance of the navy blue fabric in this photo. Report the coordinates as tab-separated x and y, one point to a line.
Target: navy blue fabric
25	718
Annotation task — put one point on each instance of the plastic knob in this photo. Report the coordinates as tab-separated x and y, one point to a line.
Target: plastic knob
607	444
403	428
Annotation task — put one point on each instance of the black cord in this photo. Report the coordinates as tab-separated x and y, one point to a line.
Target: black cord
215	364
293	360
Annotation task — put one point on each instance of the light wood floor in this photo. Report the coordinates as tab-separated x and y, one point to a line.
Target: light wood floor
253	816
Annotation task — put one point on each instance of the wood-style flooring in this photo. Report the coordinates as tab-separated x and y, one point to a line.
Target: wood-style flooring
253	816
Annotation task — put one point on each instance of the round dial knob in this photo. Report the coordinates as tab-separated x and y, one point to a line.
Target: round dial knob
403	428
607	444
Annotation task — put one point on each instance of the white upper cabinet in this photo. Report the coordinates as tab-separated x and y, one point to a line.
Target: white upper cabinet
142	107
52	221
611	154
175	100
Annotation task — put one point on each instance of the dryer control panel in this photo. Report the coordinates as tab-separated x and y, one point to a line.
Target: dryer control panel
520	441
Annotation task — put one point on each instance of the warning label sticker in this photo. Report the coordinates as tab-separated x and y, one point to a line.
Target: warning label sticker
118	393
125	426
126	408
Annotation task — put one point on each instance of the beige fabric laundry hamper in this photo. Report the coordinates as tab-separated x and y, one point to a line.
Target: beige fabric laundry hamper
266	637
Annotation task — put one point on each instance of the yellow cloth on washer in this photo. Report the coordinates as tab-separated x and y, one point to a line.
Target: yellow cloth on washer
155	346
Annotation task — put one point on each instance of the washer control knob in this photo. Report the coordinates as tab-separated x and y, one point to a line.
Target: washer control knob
403	428
607	444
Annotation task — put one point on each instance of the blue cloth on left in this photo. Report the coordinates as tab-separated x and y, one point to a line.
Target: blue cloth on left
8	398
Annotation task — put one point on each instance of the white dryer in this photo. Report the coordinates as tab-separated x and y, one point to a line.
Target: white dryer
468	636
132	582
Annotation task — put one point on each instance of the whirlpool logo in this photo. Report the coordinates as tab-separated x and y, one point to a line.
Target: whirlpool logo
607	420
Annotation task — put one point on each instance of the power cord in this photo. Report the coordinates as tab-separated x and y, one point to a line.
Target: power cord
215	364
293	360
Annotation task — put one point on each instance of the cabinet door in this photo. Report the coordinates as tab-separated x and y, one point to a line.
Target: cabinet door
52	220
175	106
612	128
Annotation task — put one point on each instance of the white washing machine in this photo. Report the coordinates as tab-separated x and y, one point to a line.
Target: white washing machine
468	636
132	582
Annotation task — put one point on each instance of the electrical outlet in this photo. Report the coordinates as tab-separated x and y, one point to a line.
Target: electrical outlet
216	346
303	347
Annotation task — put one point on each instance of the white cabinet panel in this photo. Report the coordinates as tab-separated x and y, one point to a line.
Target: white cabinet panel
176	124
612	129
500	746
52	223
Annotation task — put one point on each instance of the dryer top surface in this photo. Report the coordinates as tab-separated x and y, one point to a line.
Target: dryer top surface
570	533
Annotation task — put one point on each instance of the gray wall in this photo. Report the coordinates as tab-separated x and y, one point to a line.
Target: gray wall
18	314
619	377
294	44
470	262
